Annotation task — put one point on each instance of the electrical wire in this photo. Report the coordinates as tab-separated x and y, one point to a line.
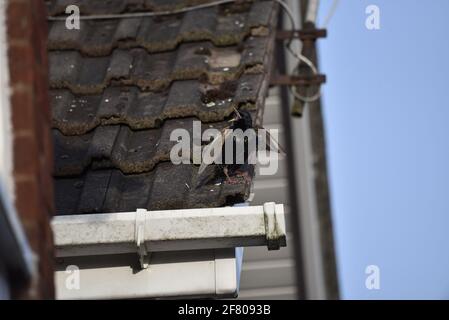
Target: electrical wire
304	59
146	14
299	57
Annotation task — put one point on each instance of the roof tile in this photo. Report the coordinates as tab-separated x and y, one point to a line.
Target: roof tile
143	110
120	147
113	191
155	72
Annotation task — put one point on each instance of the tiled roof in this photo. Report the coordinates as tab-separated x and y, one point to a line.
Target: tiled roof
119	87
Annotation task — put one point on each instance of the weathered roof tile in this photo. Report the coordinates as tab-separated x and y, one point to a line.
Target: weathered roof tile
144	110
168	186
120	147
90	75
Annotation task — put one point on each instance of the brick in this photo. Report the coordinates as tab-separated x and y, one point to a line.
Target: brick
48	232
42	102
18	20
21	65
25	155
40	126
28	202
22	111
33	231
31	119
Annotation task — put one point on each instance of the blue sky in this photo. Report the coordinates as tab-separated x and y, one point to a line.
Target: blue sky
386	115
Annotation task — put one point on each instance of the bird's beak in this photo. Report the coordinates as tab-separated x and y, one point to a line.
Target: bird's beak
233	120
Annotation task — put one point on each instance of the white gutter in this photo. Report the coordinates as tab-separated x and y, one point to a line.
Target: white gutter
169	230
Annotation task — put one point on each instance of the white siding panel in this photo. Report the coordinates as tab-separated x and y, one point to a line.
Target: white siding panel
270	191
270	274
277	293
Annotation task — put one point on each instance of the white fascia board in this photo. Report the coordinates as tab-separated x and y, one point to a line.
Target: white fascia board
169	230
176	274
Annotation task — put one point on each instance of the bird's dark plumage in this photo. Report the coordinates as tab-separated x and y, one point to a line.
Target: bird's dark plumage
242	121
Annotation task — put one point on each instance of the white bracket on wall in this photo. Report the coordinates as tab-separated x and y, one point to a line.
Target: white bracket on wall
144	254
271	226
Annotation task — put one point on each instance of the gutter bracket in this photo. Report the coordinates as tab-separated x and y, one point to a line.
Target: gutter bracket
306	34
271	226
297	80
144	254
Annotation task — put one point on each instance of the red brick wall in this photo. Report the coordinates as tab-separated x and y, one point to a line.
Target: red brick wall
33	159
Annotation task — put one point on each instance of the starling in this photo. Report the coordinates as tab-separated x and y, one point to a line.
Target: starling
228	171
